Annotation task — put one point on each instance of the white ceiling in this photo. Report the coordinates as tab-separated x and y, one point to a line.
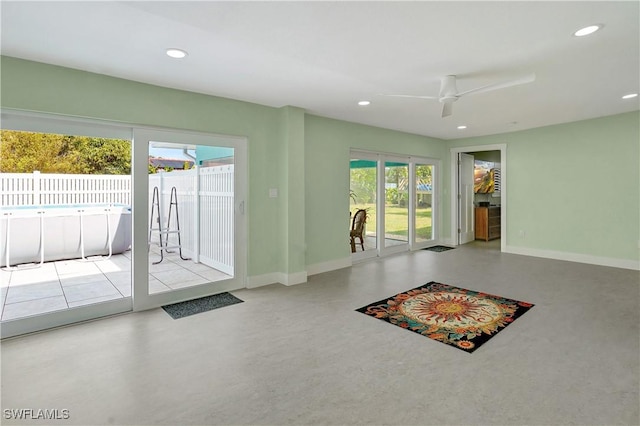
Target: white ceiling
326	56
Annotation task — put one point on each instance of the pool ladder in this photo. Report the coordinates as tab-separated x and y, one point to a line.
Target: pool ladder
163	233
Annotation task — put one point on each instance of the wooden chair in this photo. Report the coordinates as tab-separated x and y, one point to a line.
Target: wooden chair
357	228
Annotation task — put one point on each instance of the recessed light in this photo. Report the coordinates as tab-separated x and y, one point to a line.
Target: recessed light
364	103
176	53
630	95
588	30
462	127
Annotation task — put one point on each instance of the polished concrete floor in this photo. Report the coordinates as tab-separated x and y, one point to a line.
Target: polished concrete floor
302	355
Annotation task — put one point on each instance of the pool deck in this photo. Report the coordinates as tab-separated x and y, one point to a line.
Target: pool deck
29	290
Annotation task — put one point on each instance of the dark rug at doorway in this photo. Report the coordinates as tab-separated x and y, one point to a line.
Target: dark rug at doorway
438	249
203	304
456	316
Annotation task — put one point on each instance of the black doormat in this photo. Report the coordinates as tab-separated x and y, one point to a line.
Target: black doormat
439	249
203	304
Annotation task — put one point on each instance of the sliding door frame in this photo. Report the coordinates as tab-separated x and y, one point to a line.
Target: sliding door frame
382	158
371	253
49	123
435	202
142	299
383	249
13	119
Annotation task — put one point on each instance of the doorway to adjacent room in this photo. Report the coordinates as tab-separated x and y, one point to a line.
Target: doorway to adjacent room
478	188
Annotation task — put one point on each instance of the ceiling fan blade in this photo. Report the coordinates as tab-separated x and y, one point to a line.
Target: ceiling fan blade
496	86
447	109
410	96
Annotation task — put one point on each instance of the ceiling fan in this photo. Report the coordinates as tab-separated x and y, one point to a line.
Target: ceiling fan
449	93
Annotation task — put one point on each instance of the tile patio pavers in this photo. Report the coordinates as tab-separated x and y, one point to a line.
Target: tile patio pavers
31	289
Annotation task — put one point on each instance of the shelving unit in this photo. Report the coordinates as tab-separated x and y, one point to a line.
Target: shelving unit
487	223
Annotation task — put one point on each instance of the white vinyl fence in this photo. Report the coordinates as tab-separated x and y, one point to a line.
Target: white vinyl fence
205	198
36	189
205	207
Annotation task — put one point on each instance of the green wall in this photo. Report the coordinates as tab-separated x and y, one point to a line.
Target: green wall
292	198
574	187
305	157
45	88
328	143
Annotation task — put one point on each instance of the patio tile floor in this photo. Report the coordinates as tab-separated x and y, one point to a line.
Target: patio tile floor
32	307
30	290
40	290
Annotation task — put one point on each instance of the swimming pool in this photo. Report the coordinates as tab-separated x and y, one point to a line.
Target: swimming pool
55	232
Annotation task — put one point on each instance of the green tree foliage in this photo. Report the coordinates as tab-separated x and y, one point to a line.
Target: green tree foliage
25	152
104	156
394	175
363	185
424	173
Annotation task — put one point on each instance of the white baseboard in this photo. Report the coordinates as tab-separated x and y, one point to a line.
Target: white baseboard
264	279
295	278
576	257
330	265
446	242
276	278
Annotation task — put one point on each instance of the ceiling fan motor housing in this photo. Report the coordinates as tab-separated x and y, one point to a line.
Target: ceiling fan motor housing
448	89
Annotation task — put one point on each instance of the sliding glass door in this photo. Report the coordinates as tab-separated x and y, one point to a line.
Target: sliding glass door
396	204
423	213
98	219
190	220
65	222
363	195
398	194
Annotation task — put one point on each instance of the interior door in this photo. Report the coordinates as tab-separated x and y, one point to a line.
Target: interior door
466	225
